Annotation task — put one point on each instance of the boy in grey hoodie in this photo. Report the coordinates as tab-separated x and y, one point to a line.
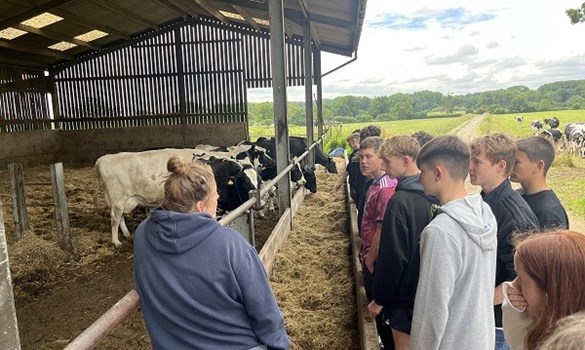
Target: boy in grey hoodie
453	307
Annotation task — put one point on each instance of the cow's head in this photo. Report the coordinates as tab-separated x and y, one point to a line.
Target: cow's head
331	167
310	178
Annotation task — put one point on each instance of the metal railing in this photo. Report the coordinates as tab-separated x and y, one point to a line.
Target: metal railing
98	330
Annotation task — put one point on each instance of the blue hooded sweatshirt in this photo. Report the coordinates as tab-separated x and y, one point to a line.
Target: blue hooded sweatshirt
202	286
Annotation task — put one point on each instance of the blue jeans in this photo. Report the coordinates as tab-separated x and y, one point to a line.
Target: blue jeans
500	341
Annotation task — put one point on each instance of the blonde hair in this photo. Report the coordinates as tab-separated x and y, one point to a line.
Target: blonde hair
569	334
398	146
497	147
187	184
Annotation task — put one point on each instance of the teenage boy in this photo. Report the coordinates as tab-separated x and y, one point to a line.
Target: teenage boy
492	159
407	213
533	159
377	196
457	256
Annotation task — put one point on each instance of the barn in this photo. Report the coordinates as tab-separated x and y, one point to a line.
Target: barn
81	79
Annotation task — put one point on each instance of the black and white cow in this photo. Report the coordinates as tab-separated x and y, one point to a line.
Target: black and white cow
575	138
553	135
298	146
133	179
536	125
553	122
519	119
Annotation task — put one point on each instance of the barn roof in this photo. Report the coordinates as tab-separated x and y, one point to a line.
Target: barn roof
41	33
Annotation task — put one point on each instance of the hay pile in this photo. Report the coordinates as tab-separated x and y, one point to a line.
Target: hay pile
312	277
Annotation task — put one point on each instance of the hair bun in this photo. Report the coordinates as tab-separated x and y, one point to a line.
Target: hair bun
175	165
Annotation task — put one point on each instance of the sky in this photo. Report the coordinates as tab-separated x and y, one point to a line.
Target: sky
455	47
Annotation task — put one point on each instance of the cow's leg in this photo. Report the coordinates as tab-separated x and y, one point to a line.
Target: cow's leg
125	230
116	216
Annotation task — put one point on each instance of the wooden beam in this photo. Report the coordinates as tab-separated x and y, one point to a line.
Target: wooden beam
172	7
212	10
9	337
247	16
23	63
83	22
112	6
18	199
46	7
34	50
55	36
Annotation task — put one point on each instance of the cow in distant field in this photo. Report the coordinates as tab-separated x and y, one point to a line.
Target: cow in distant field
553	122
519	120
575	138
536	125
553	135
133	179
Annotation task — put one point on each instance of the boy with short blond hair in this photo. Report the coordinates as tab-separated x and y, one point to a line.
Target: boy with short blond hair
492	159
378	193
533	159
454	298
407	213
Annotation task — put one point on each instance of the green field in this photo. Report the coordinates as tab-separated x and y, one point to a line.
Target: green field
507	122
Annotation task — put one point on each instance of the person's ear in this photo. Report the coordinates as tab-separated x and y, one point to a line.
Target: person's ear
502	166
540	165
199	206
439	174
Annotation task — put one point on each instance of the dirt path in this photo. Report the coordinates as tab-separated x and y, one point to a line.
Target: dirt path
469	130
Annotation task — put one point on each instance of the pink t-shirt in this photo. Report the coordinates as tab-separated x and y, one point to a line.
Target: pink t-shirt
377	197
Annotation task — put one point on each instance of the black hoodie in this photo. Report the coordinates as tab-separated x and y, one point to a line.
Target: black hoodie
397	268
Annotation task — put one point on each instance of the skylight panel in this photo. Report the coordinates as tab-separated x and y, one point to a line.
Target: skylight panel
91	35
232	15
42	20
11	33
62	46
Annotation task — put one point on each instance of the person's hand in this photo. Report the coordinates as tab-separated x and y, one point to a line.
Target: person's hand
515	295
374	309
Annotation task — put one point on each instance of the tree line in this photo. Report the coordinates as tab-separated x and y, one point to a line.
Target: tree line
561	95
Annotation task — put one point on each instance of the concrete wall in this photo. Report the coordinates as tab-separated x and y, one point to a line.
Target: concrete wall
84	147
31	148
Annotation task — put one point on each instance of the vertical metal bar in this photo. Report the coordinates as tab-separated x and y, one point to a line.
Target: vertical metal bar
276	16
18	199
61	214
319	84
308	88
9	337
181	81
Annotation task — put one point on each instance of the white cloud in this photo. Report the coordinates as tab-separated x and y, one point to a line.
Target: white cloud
457	47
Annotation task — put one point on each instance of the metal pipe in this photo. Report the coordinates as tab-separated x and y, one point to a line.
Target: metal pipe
98	330
343	65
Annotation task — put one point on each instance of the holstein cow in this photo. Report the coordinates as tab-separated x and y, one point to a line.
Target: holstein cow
553	135
519	120
133	179
536	125
575	136
553	122
298	146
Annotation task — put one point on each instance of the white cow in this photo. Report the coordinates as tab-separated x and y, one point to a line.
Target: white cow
133	179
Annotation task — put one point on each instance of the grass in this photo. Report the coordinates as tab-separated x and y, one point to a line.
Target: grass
507	122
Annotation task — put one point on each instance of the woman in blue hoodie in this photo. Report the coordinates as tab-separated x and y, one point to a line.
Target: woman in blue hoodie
201	285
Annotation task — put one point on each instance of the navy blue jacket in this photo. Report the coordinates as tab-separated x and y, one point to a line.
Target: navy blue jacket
202	286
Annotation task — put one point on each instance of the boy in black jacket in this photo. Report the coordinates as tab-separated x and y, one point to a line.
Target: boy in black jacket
534	158
407	214
492	159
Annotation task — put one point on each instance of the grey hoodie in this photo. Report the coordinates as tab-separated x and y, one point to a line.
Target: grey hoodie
453	308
